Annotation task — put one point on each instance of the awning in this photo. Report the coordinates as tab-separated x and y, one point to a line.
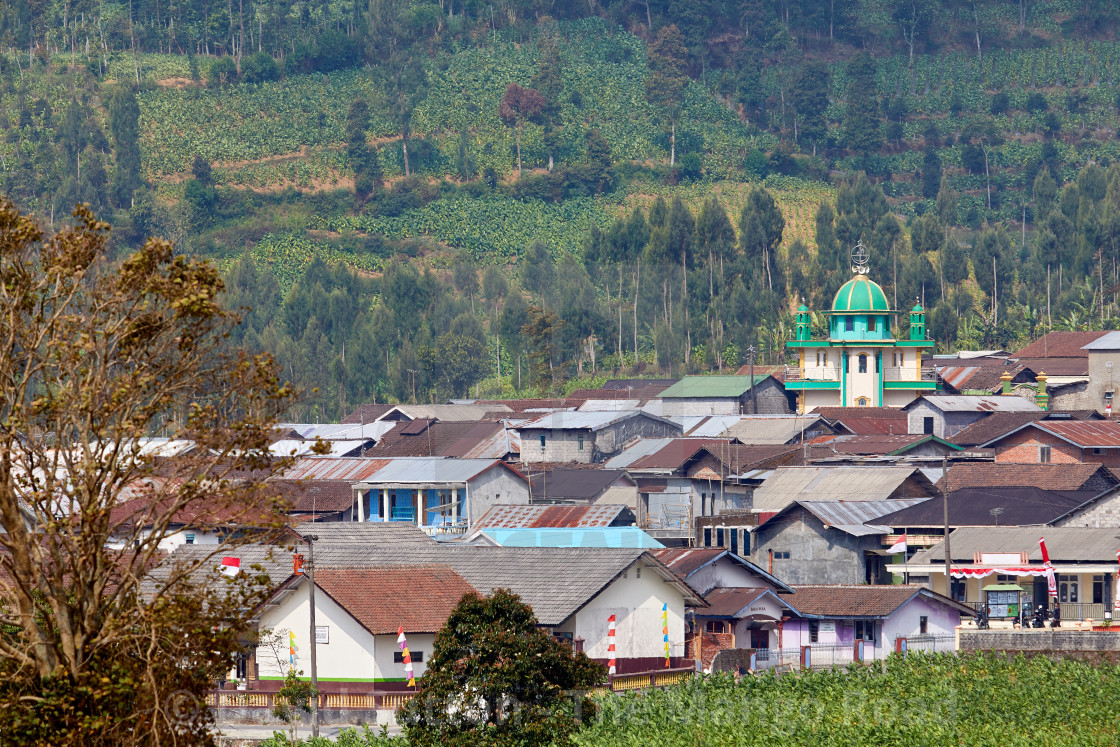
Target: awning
982	572
1002	587
760	622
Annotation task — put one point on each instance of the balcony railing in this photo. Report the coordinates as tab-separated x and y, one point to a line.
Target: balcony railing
907	373
445	527
832	373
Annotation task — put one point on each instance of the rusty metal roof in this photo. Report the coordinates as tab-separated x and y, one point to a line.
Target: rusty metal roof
1085	433
973	403
354	469
550	517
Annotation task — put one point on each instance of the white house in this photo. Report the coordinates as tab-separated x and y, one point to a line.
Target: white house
358	612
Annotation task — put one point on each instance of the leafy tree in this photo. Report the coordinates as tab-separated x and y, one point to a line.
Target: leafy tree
518	106
408	85
543	332
667	58
931	174
455	361
97	356
363	158
760	231
810	98
862	123
599	162
124	123
496	678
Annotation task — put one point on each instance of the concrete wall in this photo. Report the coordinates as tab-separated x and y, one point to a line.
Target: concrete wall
906	620
1105	512
495	485
817	555
771	398
1102	378
1060	644
726	573
945	424
563	445
635	599
620	495
612	439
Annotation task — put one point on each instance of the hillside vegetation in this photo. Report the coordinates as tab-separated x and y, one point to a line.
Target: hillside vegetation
504	196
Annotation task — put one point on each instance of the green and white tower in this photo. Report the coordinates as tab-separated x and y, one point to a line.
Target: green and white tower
860	364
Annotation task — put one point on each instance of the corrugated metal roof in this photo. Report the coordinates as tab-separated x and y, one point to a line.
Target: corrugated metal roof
956	376
292	447
856	517
711	386
591	421
353	469
549	517
1069	544
639	449
1108	341
789	484
446	413
705	426
971	403
427	470
761	429
1103	434
598	537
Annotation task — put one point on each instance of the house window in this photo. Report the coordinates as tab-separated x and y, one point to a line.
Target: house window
707	537
870	324
746	543
1044	454
417	656
862	402
1096	452
781	555
865	630
927	426
716	626
863	362
902	359
542	442
734	541
719	537
1098	589
190	539
849	324
958	589
814	631
1067	589
878	361
760	639
581	442
923	625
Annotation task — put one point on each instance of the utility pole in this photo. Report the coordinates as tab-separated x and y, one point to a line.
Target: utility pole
945	521
314	645
754	394
412	372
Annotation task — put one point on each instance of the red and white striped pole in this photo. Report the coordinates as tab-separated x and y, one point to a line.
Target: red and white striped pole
1116	604
610	646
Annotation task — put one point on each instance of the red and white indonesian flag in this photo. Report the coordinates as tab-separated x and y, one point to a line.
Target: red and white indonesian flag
230	566
406	656
899	546
1051	582
610	645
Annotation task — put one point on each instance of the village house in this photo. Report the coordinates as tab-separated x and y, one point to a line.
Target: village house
724	395
1084	561
786	485
1053	476
568	485
587	437
1061	441
827	542
945	416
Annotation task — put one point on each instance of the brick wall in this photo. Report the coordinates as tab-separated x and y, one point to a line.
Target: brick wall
1093	646
1022	448
710	645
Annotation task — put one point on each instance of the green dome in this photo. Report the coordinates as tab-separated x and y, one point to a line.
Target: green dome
860	294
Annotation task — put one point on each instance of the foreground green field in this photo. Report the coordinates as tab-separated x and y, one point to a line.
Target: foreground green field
979	701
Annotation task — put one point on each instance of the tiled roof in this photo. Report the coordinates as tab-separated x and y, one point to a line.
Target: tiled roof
367	413
730	602
423	437
867	445
538	517
1059	345
573	484
316	495
1056	366
623	384
848	413
675	453
445	413
995	425
637	393
873	426
857	601
367	534
521	405
1044	476
419	597
993	506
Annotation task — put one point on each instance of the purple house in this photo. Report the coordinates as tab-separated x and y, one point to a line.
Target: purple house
878	615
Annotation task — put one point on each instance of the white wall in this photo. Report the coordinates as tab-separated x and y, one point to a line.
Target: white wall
349	654
495	485
726	573
386	647
636	603
175	539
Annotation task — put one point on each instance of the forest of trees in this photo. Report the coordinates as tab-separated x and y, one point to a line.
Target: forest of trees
969	144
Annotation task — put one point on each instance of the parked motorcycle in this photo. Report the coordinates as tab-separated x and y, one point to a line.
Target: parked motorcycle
1056	616
1039	620
982	619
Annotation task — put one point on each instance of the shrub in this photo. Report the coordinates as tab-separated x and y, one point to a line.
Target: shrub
223	71
1036	102
1001	102
258	68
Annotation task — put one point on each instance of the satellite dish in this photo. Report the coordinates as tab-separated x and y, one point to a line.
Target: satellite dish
859	259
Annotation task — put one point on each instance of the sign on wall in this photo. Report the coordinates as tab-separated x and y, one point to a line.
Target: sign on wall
322	633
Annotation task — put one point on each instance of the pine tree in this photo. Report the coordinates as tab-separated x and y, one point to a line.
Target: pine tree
862	121
124	123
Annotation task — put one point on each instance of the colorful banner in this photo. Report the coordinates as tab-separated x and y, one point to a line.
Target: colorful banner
1116	604
665	630
403	643
982	572
292	649
610	645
